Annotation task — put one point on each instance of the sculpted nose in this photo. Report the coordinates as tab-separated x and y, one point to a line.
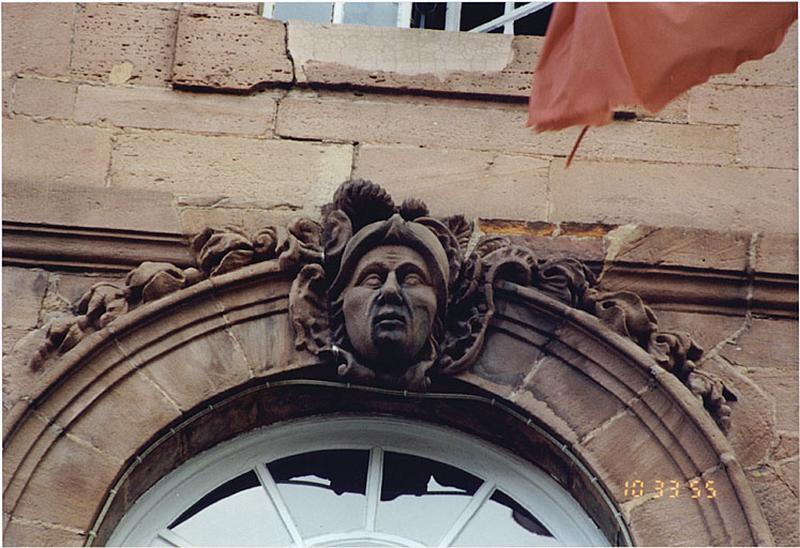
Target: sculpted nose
390	290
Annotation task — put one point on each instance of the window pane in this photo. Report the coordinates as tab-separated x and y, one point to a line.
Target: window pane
369	13
325	491
237	513
503	522
421	498
313	12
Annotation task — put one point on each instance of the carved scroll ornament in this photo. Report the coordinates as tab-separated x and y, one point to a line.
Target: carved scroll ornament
389	295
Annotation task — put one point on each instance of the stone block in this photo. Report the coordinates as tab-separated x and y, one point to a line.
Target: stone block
572	395
298	175
51	202
777	253
37	38
9	80
767	343
433	61
647	520
777	68
687	247
752	416
34	533
79	474
725	104
41	153
779	503
44	98
787	445
204	57
150	108
460	181
717	198
118	424
124	43
497	127
769	142
23	292
195	218
707	330
781	385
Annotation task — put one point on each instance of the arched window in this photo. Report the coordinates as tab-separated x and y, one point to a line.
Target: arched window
366	481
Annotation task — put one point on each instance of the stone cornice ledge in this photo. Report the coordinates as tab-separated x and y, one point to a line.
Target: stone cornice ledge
673	286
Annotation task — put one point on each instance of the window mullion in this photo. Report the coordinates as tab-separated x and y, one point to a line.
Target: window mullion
271	488
404	14
472	508
452	17
508	27
173	538
374	480
338	13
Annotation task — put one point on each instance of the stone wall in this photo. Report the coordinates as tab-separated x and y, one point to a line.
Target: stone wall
127	127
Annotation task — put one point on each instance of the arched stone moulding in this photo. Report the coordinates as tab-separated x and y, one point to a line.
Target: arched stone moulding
82	447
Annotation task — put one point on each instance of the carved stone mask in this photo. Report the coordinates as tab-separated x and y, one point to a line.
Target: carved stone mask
390	306
392	287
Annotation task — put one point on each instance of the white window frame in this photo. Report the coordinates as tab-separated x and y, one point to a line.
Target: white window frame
452	15
529	486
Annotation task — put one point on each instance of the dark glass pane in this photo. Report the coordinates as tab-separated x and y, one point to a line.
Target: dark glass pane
428	15
534	24
478	13
325	491
421	498
501	521
237	513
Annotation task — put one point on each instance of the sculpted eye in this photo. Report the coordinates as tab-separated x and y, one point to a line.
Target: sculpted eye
412	279
373	281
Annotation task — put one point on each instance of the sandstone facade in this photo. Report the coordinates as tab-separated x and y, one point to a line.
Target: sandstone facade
126	129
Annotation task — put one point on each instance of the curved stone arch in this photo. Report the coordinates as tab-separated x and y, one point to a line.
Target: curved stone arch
163	379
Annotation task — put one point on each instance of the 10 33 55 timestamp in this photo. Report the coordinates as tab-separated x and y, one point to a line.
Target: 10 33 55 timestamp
673	489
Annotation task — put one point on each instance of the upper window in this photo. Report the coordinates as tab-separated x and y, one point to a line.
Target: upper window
356	481
500	17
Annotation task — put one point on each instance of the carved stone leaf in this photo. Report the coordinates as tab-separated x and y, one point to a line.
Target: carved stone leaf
151	281
461	229
103	303
220	250
308	309
565	279
625	313
363	202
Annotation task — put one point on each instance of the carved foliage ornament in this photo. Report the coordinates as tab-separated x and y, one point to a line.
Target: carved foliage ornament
389	295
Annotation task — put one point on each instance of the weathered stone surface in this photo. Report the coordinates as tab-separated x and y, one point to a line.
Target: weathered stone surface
367	56
124	43
766	343
718	198
460	181
781	385
44	98
116	424
81	476
195	219
204	56
778	68
647	520
47	202
634	457
752	416
39	153
678	246
9	81
471	125
767	119
787	445
707	330
777	253
23	293
36	38
779	504
572	395
299	175
583	249
20	532
166	109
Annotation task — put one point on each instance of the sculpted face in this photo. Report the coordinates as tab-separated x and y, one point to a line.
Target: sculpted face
389	306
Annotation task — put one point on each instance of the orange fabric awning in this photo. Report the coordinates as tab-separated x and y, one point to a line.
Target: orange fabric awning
599	56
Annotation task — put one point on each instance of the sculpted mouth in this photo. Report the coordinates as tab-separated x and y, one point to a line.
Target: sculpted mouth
390	318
